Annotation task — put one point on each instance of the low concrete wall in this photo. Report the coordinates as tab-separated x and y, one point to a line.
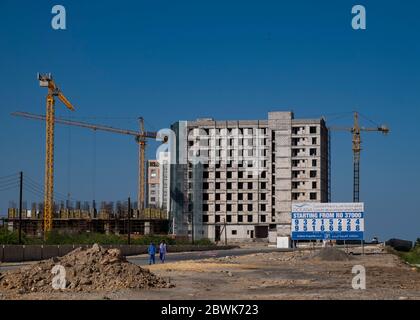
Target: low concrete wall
132	250
49	251
32	253
63	249
12	253
19	253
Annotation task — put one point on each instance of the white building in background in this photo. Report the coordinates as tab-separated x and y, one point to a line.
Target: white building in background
158	182
164	181
153	182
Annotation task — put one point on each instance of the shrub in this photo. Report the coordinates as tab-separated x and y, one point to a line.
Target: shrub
10	237
55	237
145	240
204	242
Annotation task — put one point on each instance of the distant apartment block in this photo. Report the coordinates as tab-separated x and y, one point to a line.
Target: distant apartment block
239	178
164	181
153	183
158	181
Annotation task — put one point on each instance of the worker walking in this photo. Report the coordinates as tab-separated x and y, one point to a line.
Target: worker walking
162	251
152	251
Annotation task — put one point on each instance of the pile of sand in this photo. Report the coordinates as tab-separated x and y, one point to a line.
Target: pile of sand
330	254
86	270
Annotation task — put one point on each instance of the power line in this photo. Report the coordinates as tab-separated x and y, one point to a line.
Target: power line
39	193
14	175
8	181
35	185
9	188
34	192
9	185
4	183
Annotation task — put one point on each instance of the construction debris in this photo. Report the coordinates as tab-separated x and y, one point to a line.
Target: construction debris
87	270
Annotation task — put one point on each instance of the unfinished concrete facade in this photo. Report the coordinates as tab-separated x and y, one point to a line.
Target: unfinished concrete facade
238	179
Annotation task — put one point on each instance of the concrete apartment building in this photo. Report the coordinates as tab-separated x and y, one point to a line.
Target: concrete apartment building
164	181
158	181
238	179
153	184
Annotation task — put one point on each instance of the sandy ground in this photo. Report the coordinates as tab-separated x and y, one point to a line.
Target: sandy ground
275	275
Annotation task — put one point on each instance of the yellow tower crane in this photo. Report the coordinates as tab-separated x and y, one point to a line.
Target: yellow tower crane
45	80
141	140
357	141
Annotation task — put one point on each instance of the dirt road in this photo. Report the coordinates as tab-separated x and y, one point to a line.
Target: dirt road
268	275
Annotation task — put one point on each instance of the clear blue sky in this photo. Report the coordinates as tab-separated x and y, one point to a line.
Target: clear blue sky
179	60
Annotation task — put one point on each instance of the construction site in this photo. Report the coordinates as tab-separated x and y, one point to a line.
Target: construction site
182	151
235	180
247	189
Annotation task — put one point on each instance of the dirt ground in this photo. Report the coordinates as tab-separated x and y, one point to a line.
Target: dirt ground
275	275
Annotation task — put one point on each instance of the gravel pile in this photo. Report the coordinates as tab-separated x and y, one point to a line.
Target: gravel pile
330	254
93	269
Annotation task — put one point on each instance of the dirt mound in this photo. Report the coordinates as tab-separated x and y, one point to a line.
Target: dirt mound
330	254
90	269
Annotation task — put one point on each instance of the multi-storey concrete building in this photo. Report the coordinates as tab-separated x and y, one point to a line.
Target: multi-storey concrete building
153	184
164	182
238	179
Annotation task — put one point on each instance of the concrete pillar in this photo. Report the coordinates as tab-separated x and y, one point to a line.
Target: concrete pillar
147	228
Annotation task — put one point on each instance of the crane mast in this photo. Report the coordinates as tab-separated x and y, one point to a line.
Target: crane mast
357	141
53	91
142	154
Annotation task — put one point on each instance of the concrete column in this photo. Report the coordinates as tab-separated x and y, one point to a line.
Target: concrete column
280	124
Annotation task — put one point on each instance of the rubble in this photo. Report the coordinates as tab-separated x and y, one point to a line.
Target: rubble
93	269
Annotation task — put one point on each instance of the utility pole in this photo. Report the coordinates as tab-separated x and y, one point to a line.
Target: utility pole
192	227
129	220
20	206
94	208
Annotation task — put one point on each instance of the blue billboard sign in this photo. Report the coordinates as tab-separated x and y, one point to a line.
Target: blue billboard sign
327	221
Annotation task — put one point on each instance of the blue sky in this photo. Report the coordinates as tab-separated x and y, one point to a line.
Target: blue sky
179	60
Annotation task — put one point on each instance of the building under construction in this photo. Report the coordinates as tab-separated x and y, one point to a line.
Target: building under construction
110	218
238	179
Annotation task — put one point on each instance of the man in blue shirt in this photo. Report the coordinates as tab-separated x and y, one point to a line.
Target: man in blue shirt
152	251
